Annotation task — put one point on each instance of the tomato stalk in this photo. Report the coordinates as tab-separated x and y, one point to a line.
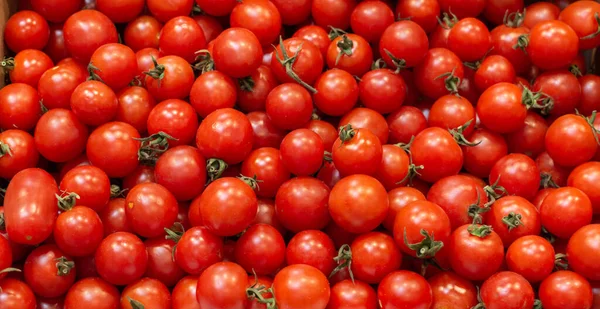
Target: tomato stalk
480	231
447	21
475	210
257	293
344	260
427	248
9	270
346	133
494	192
153	146
288	62
378	64
595	34
546	235
251	181
413	170
64	266
345	46
158	72
514	19
451	81
575	70
205	62
590	120
561	262
174	234
335	32
215	168
8	64
2	222
115	191
512	220
547	181
399	63
246	83
522	43
460	138
67	200
5	149
532	100
92	69
135	304
537	304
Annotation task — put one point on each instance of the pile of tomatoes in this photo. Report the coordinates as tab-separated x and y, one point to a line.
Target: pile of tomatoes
300	154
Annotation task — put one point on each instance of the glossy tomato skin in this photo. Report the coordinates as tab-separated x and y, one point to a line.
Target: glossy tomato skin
23	153
141	174
237	60
355	60
223	285
552	45
60	136
370	19
374	255
42	264
183	295
590	85
301	204
118	76
175	118
264	132
449	289
147	291
302	152
30	206
120	11
161	264
326	131
583	248
182	171
404	40
87	30
135	105
404	123
79	231
382	90
530	138
26	30
461	8
399	198
198	249
438	153
28	67
424	13
507	290
113	148
584	178
314	248
19	107
503	40
260	17
210	25
452	112
225	134
565	210
532	257
16	295
480	159
416	216
469	39
121	258
289	106
436	62
57	84
176	82
347	293
508	206
570	141
150	208
181	36
581	18
332	12
393	169
308	64
92	293
337	92
267	166
228	205
563	87
260	250
163	11
365	118
113	217
301	286
485	257
500	108
494	69
358	155
255	99
518	174
211	91
94	103
404	289
55	48
142	32
539	12
566	289
358	203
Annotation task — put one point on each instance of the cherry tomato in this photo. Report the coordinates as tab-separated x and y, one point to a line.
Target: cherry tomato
512	217
301	204
404	288
562	87
452	112
147	292
184	293
393	171
370	19
538	12
92	293
438	153
181	36
254	98
404	123
532	257
356	151
265	133
326	132
337	92
56	44
570	140
517	174
17	152
349	293
495	10
142	32
240	59
223	285
260	250
374	255
26	30
351	53
113	147
469	39
104	65
581	18
87	30
564	289
382	90
429	75
301	286
302	152
450	289
121	258
19	107
94	103
225	134
507	290
211	91
175	118
481	158
161	264
485	252
16	294
424	13
334	13
216	8
581	248
60	136
78	231
170	78
259	16
584	178
268	167
530	138
565	210
49	272
27	66
552	45
405	40
461	8
150	208
57	85
493	70
198	249
589	102
289	106
135	104
307	66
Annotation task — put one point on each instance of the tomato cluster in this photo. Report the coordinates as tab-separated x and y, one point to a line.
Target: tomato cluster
300	154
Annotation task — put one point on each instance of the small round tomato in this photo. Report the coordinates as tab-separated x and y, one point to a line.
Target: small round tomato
182	171
301	204
507	290
469	39
269	169
260	250
369	19
225	134
463	9
26	30
302	152
163	11
438	153
78	231
538	12
56	44
356	151
121	258
399	198
517	174
114	64
450	289
176	118
493	70
565	210
27	66
326	132
222	285
94	103
394	169
49	263
135	104
452	112
382	90
314	248
57	85
332	13
552	45
265	133
358	203
337	92
562	87
16	294
571	140
183	294
171	77
181	36
260	17
142	32
87	30
92	293
504	38
301	286
590	86
495	10
566	289
433	76
113	147
150	208
485	252
530	138
17	152
306	67
253	97
512	217
406	41
481	158
352	293
351	53
147	292
240	59
374	255
581	18
424	13
113	217
60	136
404	123
406	288
582	249
19	107
211	91
531	257
198	249
501	108
584	177
289	106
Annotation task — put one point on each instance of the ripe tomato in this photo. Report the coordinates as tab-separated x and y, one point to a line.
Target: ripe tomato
584	178
265	133
485	252
289	106
19	107
92	293
175	118
113	147
135	104
225	134
145	63
171	78
228	205
551	172
259	16
590	85
30	206
404	123
103	65
493	70
142	32
394	169
301	286
15	294
181	36
481	158
365	118
87	30
450	289
306	67
540	11
507	290
57	85
198	249
211	91
302	152
17	152
564	289
461	8
301	204
120	11
312	247
27	66
240	59
562	87
552	45
370	19
581	18
399	198
531	257
254	98
469	39
504	37
495	10
356	151
216	8
60	136
382	90
438	153
183	295
326	131
565	210
26	30
78	231
210	25
406	41
571	141
517	174
260	250
404	288
501	108
161	264
424	13
332	13
512	217
223	285
530	138
49	272
121	258
374	255
113	217
56	44
358	203
94	103
163	11
180	170
350	293
150	208
351	53
147	292
582	249
337	92
452	112
430	77
268	167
